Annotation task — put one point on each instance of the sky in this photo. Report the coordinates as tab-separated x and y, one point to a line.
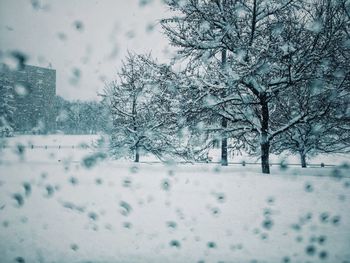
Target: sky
84	41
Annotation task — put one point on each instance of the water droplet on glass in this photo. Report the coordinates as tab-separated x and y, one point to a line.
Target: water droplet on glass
74	247
19	199
165	185
267	223
78	25
21	89
335	220
323	254
175	243
310	250
324	217
93	216
49	190
308	187
27	188
171	224
20	260
125	208
211	244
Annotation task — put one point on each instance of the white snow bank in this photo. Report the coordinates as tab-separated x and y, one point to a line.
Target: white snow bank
120	212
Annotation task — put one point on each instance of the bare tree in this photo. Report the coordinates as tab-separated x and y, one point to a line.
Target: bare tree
143	109
328	133
273	47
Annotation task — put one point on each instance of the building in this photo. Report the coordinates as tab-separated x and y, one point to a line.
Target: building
34	92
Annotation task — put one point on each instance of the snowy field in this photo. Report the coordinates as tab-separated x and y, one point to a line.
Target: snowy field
53	208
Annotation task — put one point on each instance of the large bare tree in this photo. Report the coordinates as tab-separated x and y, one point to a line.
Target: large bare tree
143	108
273	47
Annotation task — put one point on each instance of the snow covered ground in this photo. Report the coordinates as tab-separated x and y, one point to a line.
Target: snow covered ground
54	207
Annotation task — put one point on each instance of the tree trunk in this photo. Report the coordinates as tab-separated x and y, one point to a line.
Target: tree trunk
265	152
137	155
224	161
264	143
303	159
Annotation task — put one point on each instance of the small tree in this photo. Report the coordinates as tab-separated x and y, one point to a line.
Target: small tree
310	139
143	109
81	117
326	134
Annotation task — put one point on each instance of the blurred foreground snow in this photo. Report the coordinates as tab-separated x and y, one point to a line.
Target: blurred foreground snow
53	211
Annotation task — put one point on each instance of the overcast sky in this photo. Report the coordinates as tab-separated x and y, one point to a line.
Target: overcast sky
89	37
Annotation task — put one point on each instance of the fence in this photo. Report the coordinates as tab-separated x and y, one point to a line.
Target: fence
21	147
